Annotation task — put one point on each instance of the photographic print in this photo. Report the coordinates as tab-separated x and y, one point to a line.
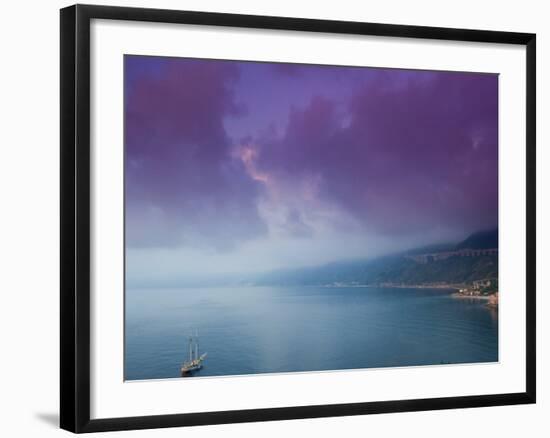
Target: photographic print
285	218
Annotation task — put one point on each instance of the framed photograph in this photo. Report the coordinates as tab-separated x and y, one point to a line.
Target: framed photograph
268	218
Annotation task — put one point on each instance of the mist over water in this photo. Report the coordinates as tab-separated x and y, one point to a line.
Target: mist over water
290	329
240	172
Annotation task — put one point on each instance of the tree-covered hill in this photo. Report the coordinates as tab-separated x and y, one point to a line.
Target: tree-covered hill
401	268
480	240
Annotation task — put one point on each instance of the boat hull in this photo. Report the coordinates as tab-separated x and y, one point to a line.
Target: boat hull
187	371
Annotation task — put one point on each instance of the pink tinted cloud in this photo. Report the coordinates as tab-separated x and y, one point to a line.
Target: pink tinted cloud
401	152
183	186
419	150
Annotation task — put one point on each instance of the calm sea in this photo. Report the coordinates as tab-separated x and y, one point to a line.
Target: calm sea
250	330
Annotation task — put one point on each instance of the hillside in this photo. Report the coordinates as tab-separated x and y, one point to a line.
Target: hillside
402	268
480	240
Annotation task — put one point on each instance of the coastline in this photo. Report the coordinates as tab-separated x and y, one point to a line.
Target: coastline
472	297
491	300
395	286
421	286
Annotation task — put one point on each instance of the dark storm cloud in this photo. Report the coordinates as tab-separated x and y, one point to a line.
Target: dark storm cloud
412	151
183	187
401	152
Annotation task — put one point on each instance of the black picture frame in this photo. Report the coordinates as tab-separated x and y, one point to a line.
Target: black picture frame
75	217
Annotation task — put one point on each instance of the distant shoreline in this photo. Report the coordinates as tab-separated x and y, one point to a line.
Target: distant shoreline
393	286
423	286
472	297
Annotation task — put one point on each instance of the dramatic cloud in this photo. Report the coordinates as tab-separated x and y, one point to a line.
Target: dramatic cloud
240	164
410	152
183	186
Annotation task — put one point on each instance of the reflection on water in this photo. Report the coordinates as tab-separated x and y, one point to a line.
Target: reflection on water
269	330
493	311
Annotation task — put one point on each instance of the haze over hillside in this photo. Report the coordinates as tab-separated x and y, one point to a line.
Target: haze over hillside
472	259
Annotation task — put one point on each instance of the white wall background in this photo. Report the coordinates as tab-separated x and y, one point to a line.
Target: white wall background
29	201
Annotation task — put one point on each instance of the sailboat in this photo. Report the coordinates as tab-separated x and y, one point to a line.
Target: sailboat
194	363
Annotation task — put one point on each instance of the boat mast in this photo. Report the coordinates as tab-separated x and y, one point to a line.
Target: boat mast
190	348
197	345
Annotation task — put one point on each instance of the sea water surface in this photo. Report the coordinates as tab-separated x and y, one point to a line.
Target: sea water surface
249	330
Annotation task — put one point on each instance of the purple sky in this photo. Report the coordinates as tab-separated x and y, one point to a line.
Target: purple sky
252	166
